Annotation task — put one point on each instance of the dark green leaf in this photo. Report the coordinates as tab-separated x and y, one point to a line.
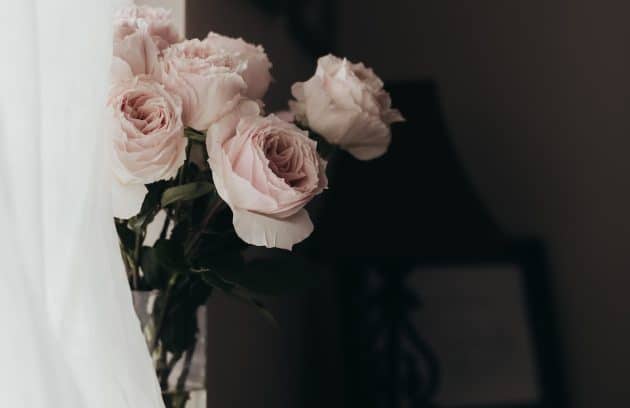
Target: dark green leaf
243	296
176	308
181	230
170	254
233	290
215	280
192	171
155	274
195	135
126	236
137	223
160	262
221	260
176	398
179	327
150	207
188	191
193	293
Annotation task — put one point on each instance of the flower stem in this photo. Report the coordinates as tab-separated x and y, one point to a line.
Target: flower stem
216	207
136	260
166	368
183	168
181	382
167	223
160	321
162	369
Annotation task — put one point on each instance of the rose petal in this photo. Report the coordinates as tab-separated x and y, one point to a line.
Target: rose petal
367	138
260	230
139	51
210	83
324	117
155	20
216	96
256	74
120	71
286	115
297	90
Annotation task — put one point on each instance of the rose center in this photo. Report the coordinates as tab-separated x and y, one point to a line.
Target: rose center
197	52
285	159
145	114
201	58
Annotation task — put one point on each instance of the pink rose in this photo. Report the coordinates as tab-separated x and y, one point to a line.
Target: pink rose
286	115
140	34
266	170
148	140
256	74
157	22
209	83
346	104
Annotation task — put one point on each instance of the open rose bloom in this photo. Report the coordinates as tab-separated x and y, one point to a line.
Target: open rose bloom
200	171
209	81
266	170
148	141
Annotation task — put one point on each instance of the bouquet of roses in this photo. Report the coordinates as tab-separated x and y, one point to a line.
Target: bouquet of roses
200	171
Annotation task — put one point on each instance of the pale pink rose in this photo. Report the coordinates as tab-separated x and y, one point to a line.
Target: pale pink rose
156	21
266	170
209	83
138	52
140	34
286	115
346	104
148	143
256	74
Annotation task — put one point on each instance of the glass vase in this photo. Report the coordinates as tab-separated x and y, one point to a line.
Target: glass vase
182	375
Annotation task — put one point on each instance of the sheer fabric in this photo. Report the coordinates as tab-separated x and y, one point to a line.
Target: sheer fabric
68	333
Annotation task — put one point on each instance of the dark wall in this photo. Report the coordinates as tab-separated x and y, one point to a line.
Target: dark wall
536	97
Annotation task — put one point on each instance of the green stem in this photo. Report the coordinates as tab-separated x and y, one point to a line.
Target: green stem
160	321
171	364
167	368
135	272
181	382
181	178
162	369
216	207
183	168
167	223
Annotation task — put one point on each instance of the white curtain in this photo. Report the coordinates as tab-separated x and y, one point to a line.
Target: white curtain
68	334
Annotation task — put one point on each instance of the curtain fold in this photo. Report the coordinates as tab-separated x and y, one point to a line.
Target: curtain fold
68	336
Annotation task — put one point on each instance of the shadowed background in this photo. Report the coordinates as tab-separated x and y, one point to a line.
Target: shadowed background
535	95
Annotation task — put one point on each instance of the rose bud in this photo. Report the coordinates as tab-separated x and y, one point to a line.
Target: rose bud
346	104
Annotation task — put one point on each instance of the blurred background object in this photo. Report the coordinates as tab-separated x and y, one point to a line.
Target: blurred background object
534	97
